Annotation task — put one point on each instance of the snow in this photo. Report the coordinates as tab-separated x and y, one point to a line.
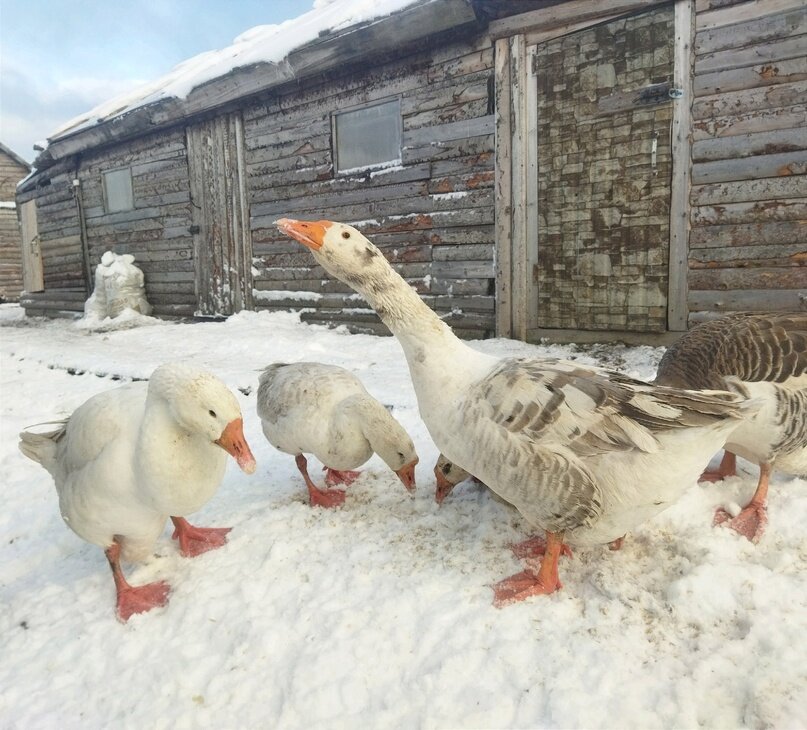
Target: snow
261	44
378	614
7	204
276	295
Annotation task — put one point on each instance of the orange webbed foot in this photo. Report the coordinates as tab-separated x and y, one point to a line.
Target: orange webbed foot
535	547
194	541
328	498
521	586
139	599
334	476
750	523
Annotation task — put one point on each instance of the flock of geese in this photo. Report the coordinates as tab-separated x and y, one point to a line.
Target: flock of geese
585	454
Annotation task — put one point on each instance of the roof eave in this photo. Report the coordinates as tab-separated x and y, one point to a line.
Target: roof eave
397	30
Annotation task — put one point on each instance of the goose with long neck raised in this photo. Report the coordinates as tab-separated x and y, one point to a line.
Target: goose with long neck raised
582	453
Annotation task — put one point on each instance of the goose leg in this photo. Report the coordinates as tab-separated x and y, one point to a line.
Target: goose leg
194	541
334	476
134	599
752	520
727	468
319	497
535	546
532	582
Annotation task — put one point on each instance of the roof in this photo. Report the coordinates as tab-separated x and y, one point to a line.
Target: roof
263	57
14	156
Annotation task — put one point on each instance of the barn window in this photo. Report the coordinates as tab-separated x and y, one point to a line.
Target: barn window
368	137
118	190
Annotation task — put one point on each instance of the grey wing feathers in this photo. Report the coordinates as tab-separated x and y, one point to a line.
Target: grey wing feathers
752	347
594	411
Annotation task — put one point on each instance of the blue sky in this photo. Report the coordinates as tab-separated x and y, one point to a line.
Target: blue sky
59	58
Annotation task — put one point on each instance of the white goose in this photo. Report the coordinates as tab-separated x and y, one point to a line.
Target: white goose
582	453
308	407
763	356
128	458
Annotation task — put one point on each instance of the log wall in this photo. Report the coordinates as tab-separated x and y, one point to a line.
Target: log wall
431	214
59	231
11	172
157	232
748	239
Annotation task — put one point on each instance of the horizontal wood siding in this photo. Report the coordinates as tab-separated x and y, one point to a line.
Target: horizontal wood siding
59	232
11	172
10	256
748	242
157	232
432	214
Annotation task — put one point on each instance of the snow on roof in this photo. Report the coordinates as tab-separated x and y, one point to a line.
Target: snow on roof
261	44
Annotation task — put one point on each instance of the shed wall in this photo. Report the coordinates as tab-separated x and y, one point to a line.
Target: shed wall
157	232
748	241
11	172
431	214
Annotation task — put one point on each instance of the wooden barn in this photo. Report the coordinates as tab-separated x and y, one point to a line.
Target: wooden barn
12	169
535	168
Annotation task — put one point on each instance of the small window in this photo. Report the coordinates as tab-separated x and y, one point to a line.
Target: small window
118	190
368	137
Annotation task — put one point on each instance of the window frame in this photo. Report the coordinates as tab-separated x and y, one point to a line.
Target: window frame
359	107
105	189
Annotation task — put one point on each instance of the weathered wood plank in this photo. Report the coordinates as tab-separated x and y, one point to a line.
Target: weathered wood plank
741	101
747	77
791	254
746	168
447	150
771	188
570	13
769	52
681	181
503	188
764	120
710	15
749	234
750	145
755	278
463	129
757	30
793	209
382	179
783	300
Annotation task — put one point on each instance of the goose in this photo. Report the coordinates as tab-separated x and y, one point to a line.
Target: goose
448	475
128	458
762	356
584	454
310	407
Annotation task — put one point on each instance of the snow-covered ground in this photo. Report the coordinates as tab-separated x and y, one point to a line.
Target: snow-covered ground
376	615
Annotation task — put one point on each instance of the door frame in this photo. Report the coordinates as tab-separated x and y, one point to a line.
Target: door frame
33	272
222	238
516	214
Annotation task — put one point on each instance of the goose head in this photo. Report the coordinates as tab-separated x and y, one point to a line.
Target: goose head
340	249
202	405
396	450
448	475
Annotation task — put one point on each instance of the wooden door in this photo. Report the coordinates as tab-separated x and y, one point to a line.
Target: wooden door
33	278
221	234
604	110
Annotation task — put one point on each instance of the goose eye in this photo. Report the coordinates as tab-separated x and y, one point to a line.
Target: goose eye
345	234
212	413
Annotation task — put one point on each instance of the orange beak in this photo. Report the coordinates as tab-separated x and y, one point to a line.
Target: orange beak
309	233
233	442
444	486
407	475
